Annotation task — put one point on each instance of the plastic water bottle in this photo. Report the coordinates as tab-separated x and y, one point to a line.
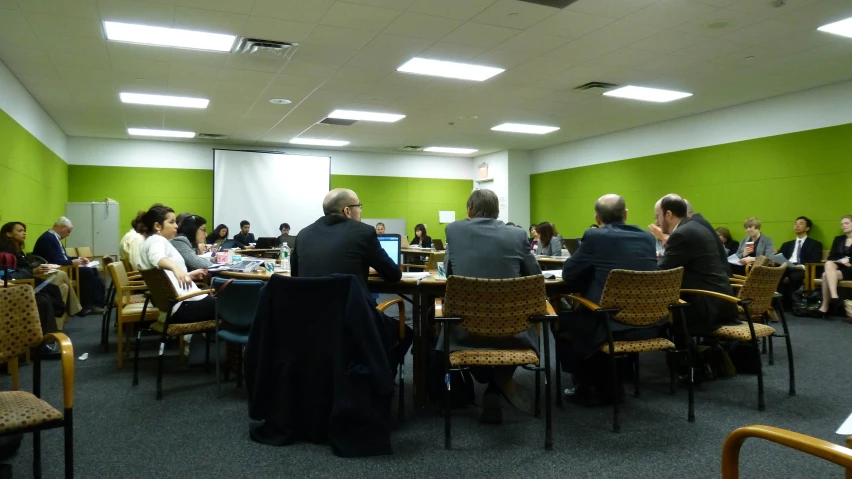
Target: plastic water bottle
284	258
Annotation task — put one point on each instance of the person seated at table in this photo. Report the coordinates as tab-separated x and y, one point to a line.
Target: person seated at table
482	246
244	239
798	252
218	236
838	267
159	227
128	248
340	243
420	237
556	236
49	247
190	231
548	244
752	246
380	228
613	245
731	245
534	238
284	228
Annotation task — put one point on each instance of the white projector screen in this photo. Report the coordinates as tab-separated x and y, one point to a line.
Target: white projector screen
268	189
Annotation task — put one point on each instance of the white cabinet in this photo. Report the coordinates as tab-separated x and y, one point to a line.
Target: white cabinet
95	225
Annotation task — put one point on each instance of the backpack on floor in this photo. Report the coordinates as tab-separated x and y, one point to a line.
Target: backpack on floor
806	304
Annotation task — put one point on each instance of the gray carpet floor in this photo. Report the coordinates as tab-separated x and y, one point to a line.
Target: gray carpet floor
122	432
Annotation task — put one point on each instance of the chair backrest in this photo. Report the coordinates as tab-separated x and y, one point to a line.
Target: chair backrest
19	323
85	252
495	307
237	303
127	266
120	276
641	297
160	288
71	251
760	286
761	261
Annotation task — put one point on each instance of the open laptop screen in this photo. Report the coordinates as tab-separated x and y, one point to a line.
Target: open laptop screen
391	244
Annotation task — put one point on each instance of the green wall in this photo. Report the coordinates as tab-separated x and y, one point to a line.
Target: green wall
139	188
775	178
33	179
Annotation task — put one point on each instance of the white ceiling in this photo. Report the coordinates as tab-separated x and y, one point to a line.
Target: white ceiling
726	52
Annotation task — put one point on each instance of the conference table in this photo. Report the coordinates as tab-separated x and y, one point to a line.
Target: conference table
421	293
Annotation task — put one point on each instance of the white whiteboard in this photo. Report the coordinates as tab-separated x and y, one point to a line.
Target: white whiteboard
268	189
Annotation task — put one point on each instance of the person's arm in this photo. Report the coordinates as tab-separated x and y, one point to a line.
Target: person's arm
741	248
240	240
677	252
191	259
814	253
579	265
378	259
157	254
427	241
768	247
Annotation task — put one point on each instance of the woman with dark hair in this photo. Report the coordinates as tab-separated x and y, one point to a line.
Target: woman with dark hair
218	236
192	230
420	237
548	245
533	238
838	267
159	227
731	245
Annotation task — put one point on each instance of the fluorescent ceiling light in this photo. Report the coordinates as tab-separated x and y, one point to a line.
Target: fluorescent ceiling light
439	68
168	133
647	94
365	116
318	142
447	149
164	100
521	128
843	27
168	37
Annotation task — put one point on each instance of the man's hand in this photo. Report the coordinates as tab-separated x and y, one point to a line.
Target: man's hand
747	260
43	269
198	274
656	231
749	249
77	262
85	260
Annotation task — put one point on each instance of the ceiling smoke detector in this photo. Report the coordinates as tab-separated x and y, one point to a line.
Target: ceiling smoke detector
411	148
257	46
551	3
211	136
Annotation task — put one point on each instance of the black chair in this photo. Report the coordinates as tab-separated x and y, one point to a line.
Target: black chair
236	302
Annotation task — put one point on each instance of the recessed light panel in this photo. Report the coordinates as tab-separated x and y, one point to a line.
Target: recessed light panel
163	133
447	149
163	100
440	68
318	142
365	116
843	27
647	94
168	37
522	128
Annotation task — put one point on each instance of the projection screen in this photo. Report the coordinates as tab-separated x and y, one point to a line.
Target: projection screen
267	189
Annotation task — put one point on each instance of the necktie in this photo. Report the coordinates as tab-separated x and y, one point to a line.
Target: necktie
796	254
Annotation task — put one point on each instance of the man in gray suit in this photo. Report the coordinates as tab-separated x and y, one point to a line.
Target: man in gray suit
482	246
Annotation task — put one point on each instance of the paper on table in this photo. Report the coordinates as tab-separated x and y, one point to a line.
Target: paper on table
552	273
446	216
91	264
208	254
416	275
733	259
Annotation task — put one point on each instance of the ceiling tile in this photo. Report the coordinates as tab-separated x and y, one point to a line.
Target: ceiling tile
604	40
248	78
308	69
46	25
23	54
452	51
230	6
451	8
339	37
9	5
532	43
208	20
197	57
766	31
625	58
610	8
284	86
579	75
670	13
141	52
140	68
712	48
18	38
137	12
14	20
275	29
362	74
309	11
819	14
765	9
33	68
717	3
667	64
80	74
394	4
719	23
422	26
71	8
79	51
546	66
513	14
668	41
806	40
389	51
502	59
359	17
487	36
570	24
321	54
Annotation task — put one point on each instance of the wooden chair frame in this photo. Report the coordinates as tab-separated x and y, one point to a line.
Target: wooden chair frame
401	305
119	299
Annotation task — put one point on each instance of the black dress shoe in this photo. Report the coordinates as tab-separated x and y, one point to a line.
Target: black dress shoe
84	313
49	351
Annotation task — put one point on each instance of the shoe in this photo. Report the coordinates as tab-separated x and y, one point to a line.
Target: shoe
84	312
492	411
580	395
49	351
97	310
835	307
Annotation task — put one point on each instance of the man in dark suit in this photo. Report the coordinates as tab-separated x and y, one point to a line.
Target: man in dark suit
49	247
693	246
339	243
482	246
799	252
690	213
613	245
244	239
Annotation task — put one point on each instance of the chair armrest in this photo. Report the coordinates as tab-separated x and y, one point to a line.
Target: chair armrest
135	287
724	297
67	351
583	301
739	277
736	285
136	283
736	281
401	303
30	282
193	294
549	308
387	304
448	319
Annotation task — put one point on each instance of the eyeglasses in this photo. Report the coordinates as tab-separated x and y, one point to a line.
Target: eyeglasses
359	205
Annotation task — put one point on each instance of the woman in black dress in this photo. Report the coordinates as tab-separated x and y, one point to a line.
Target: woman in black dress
838	267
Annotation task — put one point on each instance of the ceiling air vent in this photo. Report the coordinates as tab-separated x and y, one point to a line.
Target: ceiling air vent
552	3
257	46
211	136
411	148
595	84
337	121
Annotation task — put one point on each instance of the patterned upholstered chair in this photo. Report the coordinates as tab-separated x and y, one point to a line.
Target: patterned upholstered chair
754	299
162	294
640	298
496	308
127	302
20	411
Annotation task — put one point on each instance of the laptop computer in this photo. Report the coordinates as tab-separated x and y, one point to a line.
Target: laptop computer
571	244
391	243
228	244
438	244
266	243
405	243
246	266
290	240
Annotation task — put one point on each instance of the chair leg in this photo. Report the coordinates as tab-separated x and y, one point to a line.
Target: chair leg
538	394
160	360
672	360
37	454
119	355
761	404
690	382
239	366
789	351
136	356
763	346
447	427
69	444
636	376
558	383
206	354
218	360
616	426
548	414
400	413
15	372
771	351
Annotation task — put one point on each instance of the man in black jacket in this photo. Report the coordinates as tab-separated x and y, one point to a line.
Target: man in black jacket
339	243
244	239
799	252
693	246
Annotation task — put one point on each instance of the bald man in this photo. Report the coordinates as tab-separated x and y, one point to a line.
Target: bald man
339	242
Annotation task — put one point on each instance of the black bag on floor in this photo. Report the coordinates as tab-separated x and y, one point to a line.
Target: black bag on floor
806	304
746	358
461	383
9	445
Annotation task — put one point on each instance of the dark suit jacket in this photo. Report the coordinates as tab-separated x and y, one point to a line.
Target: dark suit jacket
836	252
424	242
613	246
48	247
692	246
811	250
487	248
336	244
723	253
244	240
